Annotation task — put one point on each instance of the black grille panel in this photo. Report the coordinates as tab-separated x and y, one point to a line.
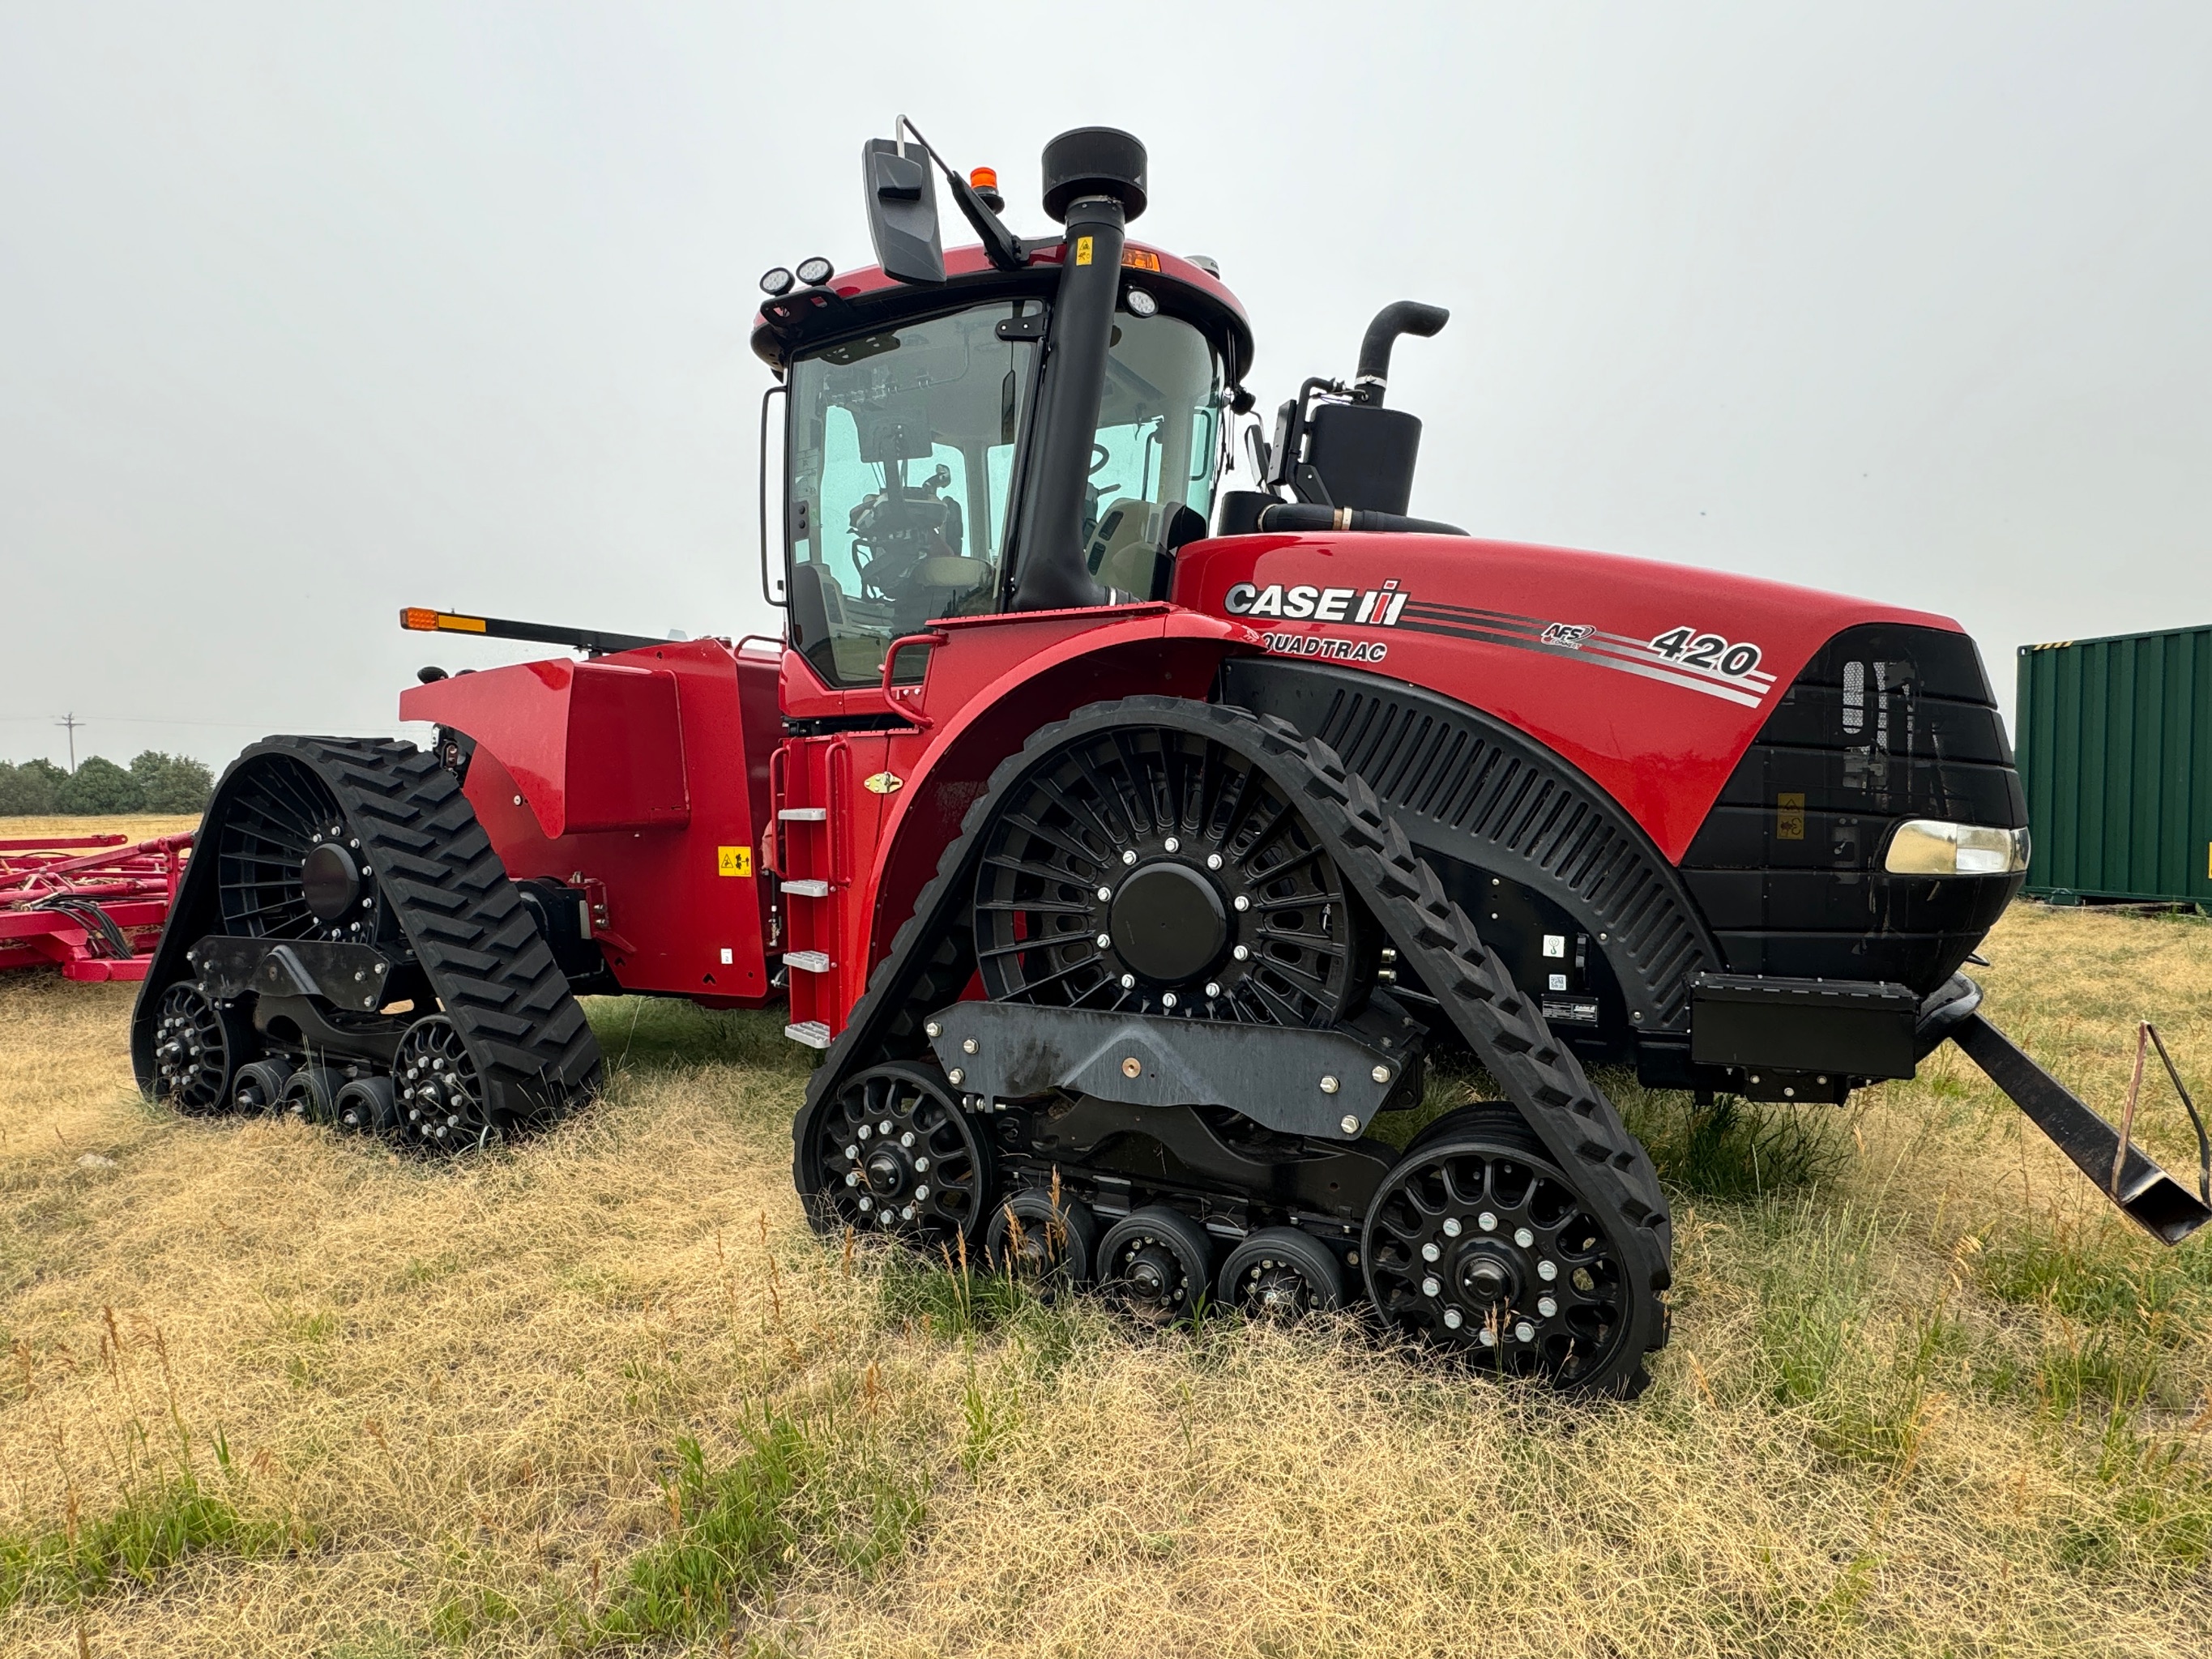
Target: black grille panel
1887	723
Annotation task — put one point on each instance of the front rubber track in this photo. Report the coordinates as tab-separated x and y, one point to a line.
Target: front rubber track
932	956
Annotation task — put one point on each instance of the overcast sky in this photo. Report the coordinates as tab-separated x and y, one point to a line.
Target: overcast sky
309	312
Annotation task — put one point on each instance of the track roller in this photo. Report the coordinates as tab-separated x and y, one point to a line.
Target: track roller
1280	1274
1155	1265
1044	1239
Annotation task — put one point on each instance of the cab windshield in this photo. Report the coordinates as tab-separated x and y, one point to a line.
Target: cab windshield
903	455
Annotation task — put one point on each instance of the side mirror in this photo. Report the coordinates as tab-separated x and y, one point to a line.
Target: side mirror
902	212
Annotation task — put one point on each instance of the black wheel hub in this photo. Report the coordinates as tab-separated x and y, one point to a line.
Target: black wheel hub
1150	1281
1167	922
330	882
1147	870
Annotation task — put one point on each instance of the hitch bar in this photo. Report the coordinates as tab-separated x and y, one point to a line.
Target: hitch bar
2151	1198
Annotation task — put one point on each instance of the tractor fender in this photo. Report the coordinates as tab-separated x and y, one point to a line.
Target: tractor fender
1160	650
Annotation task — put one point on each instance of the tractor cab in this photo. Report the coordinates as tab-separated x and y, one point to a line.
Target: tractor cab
991	430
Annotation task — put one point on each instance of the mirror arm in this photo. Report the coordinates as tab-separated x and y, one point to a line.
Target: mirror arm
1005	250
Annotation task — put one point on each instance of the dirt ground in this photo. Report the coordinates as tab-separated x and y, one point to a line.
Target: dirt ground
267	1390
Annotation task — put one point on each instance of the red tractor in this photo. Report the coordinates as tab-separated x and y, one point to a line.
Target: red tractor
1130	845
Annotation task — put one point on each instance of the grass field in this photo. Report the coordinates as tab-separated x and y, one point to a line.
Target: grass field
268	1391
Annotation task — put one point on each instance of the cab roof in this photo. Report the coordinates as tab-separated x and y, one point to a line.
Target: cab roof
860	300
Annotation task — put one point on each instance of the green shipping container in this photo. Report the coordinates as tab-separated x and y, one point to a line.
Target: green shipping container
2115	751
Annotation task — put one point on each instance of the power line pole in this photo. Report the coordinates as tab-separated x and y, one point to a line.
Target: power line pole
70	722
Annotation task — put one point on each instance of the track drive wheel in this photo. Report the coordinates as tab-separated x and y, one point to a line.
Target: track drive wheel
1478	1243
1281	1274
198	1048
1155	1265
896	1154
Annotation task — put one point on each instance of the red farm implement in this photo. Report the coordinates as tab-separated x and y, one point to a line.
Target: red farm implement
92	905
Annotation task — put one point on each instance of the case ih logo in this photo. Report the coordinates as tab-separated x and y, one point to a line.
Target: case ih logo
1377	607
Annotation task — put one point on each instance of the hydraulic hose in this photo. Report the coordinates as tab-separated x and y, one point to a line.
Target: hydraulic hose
1301	515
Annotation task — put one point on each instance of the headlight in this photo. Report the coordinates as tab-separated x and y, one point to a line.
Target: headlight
1925	847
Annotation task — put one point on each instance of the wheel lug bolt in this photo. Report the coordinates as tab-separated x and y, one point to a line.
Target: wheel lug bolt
920	1165
1487	1337
1430	1287
1547	1270
1213	861
1172	844
1167	1000
1547	1305
1105	940
853	1153
907	1139
1242	953
1213	988
867	1203
1451	1226
922	1192
1524	1332
1453	1318
1243	903
1128	981
1488	1221
908	1212
1429	1252
1129	856
1105	893
1523	1238
866	1131
852	1177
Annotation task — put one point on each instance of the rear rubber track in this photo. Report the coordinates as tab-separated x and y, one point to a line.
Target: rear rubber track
488	967
932	955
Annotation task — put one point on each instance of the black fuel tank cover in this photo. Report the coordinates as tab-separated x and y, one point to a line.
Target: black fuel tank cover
1169	922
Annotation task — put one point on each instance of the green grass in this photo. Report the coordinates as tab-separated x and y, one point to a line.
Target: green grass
801	1491
167	1515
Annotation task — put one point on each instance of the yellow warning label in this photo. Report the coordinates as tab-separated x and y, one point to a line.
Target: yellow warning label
1790	816
1083	250
735	860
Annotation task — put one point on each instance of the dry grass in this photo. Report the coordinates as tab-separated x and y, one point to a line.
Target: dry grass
1925	1396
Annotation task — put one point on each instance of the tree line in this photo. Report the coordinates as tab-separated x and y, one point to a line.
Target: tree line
154	783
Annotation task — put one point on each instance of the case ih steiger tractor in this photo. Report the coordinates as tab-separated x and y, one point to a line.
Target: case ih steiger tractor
1130	845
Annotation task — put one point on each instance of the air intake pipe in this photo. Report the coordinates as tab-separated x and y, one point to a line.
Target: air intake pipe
1094	183
1402	317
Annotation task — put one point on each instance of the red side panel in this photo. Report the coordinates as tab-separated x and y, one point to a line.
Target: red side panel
1653	678
641	777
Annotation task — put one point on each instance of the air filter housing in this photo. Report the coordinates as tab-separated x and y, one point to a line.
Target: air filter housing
1094	162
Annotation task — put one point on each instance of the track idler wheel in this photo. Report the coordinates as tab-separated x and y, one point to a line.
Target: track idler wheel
1476	1242
1281	1274
1155	1265
896	1153
367	1106
440	1098
198	1046
1048	1242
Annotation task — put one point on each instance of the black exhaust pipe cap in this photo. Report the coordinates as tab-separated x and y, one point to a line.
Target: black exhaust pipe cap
1094	162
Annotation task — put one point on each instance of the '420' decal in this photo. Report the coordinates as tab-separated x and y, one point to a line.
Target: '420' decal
1709	651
